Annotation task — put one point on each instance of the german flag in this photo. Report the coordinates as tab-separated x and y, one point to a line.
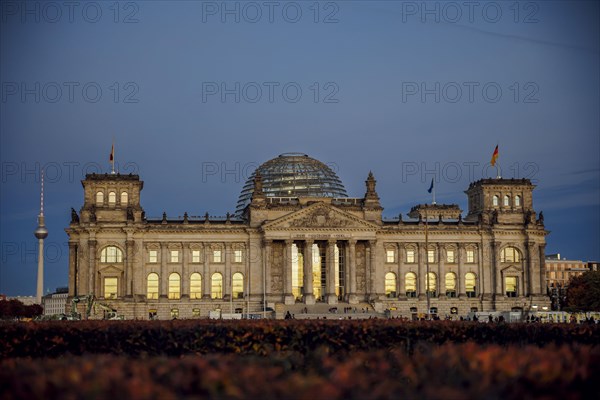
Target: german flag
494	156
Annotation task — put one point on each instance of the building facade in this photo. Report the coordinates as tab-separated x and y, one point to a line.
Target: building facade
55	303
298	241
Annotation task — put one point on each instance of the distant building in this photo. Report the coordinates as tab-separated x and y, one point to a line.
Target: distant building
55	303
26	300
297	240
560	270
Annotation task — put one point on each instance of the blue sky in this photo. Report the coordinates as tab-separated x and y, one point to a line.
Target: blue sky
197	94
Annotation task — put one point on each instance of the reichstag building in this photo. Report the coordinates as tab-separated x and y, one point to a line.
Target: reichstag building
298	243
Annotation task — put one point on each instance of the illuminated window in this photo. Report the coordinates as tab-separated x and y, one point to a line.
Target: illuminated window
111	254
124	198
174	256
389	256
237	286
216	286
152	286
195	286
495	201
174	313
217	256
517	201
237	256
470	284
506	201
112	198
510	285
110	288
195	312
410	256
100	198
410	282
450	256
450	284
431	256
174	286
195	256
431	284
153	256
390	284
470	256
510	254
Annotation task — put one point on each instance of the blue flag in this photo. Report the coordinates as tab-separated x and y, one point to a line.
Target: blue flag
430	187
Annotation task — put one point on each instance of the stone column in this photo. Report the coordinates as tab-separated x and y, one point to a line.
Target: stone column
73	269
422	274
129	251
164	278
267	257
401	280
206	278
92	268
352	299
330	274
441	281
460	248
309	297
227	277
288	297
185	278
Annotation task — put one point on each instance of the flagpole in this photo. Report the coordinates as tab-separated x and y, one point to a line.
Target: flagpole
113	156
433	193
427	263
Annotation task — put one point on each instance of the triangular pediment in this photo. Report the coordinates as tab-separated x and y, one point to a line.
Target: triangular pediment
512	269
320	216
110	269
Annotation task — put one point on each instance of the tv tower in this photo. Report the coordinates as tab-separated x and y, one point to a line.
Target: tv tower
41	233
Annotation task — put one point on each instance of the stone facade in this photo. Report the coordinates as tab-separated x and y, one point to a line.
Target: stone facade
287	250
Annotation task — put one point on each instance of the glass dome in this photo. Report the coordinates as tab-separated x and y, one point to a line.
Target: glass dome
293	175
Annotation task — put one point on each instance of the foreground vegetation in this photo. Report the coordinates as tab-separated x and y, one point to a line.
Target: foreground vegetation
298	360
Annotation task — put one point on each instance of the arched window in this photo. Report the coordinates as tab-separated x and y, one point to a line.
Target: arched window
431	284
152	286
450	284
510	286
237	284
216	286
517	201
99	198
495	201
470	284
390	284
410	283
510	254
506	201
195	286
111	254
112	198
174	286
124	198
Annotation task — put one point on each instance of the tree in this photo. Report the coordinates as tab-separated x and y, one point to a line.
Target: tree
583	292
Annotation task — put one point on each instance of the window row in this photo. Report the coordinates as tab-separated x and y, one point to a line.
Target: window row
174	286
112	254
217	256
450	285
112	198
410	256
506	201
